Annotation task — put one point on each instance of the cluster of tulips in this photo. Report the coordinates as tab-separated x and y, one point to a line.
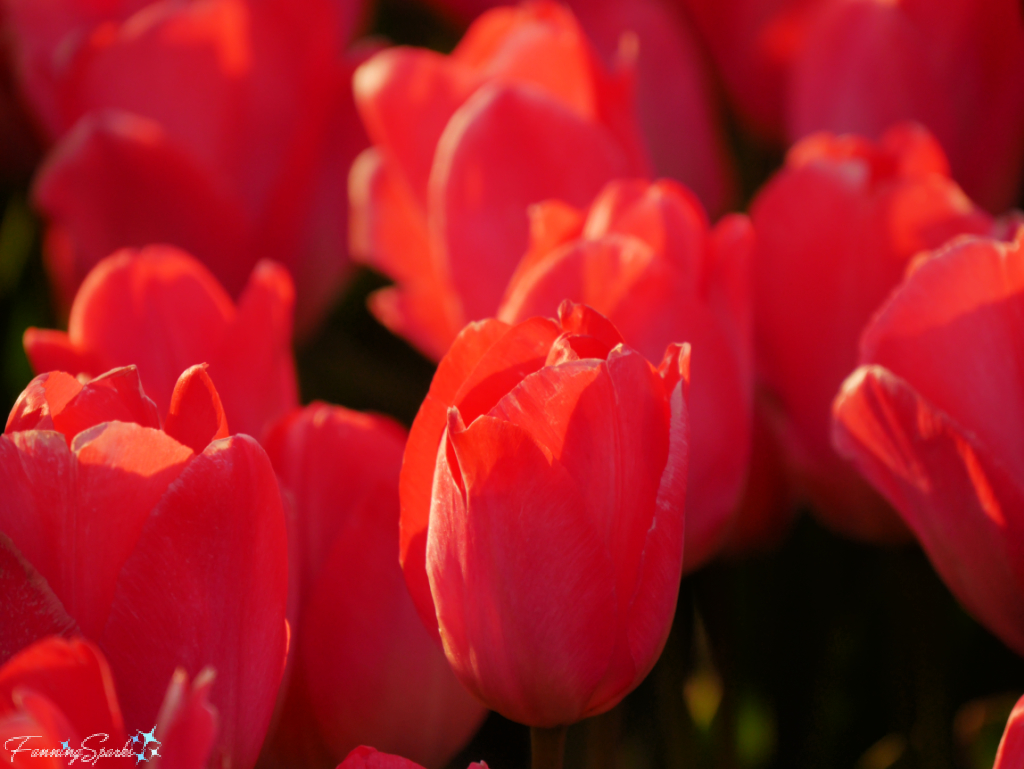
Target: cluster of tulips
189	554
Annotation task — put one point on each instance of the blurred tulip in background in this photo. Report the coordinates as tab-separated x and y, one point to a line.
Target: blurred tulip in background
836	228
224	127
365	669
161	310
932	418
522	110
644	256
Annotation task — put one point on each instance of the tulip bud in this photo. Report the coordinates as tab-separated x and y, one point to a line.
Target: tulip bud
542	512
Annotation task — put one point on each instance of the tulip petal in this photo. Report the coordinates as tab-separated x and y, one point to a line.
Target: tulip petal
539	44
187	722
50	350
405	97
957	498
114	396
503	514
1011	746
402	694
388	231
118	180
257	348
29	609
121	313
76	515
963	311
74	677
196	416
481	215
486	360
206	586
368	758
42	396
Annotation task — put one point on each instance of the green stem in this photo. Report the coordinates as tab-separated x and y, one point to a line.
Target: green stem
547	747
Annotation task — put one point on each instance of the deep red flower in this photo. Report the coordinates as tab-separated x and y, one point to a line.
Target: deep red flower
365	669
162	310
224	127
835	230
933	416
58	691
645	257
542	512
520	112
956	66
1011	747
165	554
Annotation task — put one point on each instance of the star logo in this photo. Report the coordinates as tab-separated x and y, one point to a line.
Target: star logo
150	745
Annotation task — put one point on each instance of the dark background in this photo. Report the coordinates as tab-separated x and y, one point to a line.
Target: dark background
823	654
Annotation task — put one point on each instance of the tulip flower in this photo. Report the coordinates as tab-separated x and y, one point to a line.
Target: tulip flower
520	112
542	500
674	100
368	758
224	127
59	692
1011	747
932	418
645	257
161	309
835	229
957	66
365	669
165	548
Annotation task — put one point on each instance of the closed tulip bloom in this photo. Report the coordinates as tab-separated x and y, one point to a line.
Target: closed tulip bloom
165	548
956	66
646	258
162	310
542	512
223	127
836	228
59	692
932	418
521	111
365	669
1011	746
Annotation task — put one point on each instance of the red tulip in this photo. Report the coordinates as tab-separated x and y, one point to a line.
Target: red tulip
836	228
368	758
933	416
365	668
59	691
674	100
1011	747
165	554
223	127
645	257
542	512
161	309
957	66
521	111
